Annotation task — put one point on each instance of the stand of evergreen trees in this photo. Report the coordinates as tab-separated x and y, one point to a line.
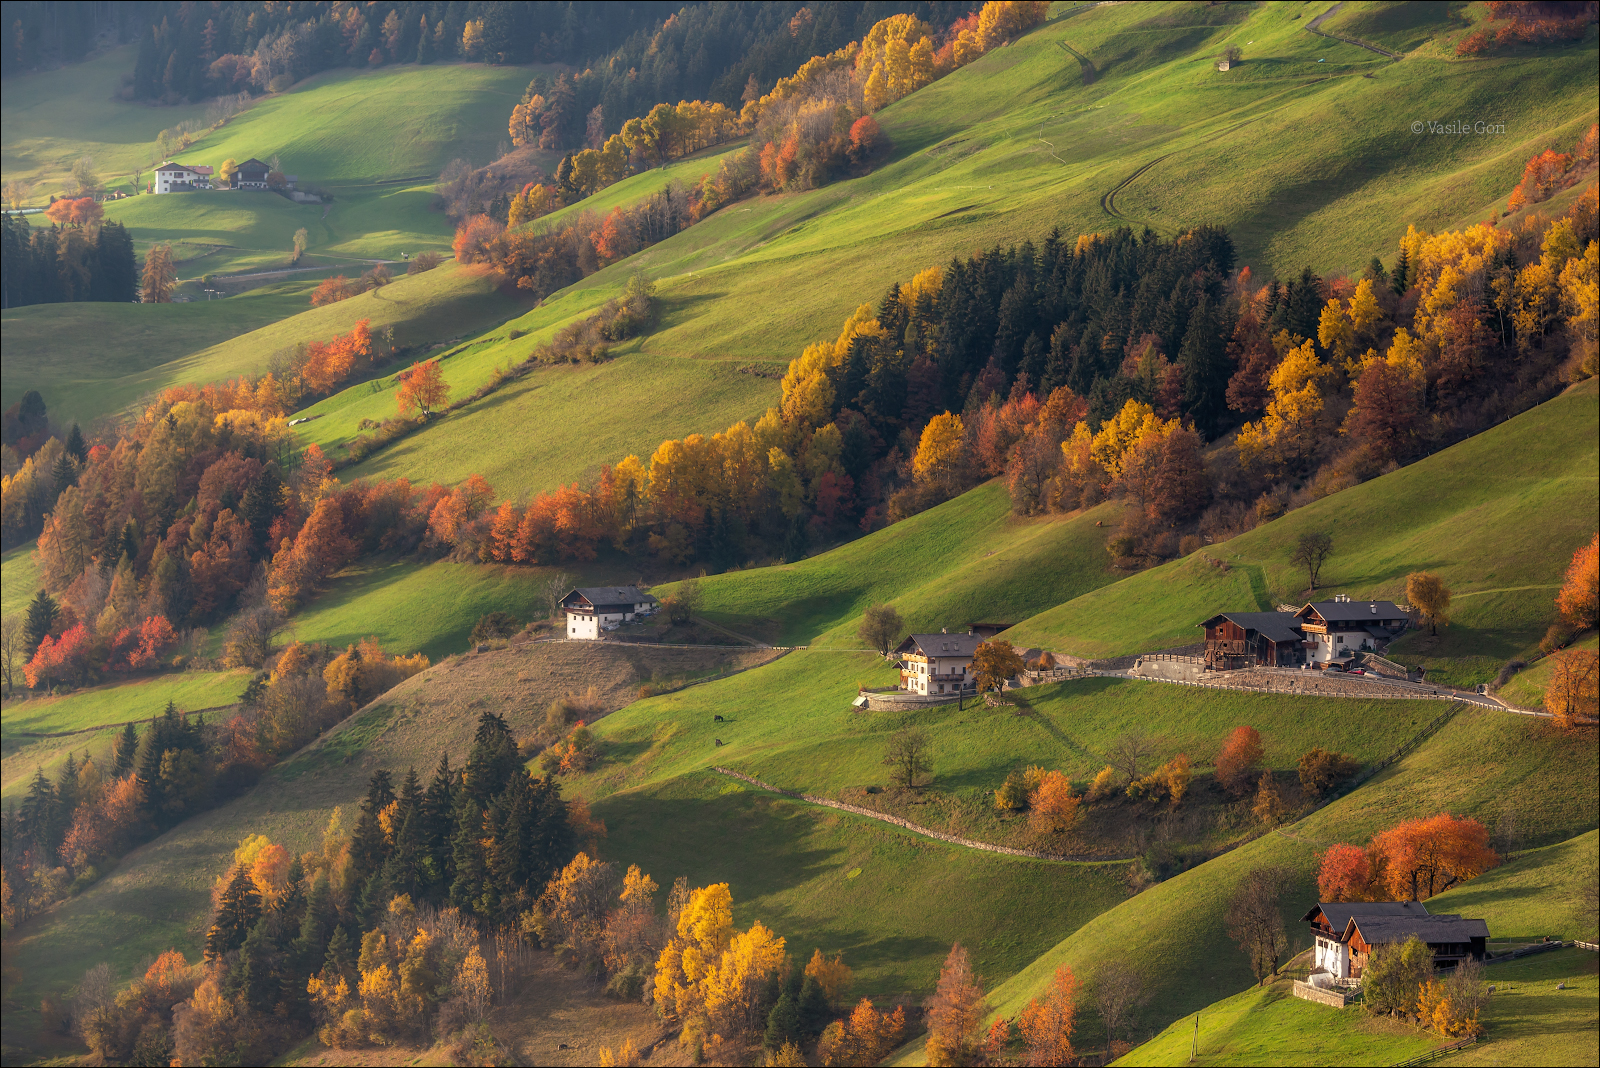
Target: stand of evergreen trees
56	265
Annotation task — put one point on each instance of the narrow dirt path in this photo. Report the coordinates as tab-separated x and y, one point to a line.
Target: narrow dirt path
1314	27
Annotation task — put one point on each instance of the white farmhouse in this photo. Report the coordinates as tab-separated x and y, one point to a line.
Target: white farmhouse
593	610
174	177
938	663
1335	630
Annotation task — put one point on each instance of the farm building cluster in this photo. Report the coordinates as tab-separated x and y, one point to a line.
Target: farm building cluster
592	611
252	174
1323	634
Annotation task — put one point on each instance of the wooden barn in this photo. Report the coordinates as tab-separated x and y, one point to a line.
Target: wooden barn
1253	639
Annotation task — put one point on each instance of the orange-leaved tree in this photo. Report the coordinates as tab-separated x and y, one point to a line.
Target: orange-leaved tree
1579	599
866	1037
160	276
1237	764
333	290
994	662
423	387
955	1012
1049	1020
473	238
1345	873
1421	858
1573	695
1052	806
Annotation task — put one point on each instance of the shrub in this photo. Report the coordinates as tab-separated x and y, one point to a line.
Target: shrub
494	625
1321	771
423	262
1103	786
1013	793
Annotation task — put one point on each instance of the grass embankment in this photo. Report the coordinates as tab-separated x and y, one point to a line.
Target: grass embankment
1497	516
107	707
968	560
1526	689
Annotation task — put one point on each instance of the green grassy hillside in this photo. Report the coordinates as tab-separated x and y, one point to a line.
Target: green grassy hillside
1014	144
1526	688
90	718
1482	764
58	349
77	355
338	127
1497	517
1528	1021
1537	892
967	560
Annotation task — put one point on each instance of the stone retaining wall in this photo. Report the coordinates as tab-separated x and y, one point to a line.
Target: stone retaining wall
1337	998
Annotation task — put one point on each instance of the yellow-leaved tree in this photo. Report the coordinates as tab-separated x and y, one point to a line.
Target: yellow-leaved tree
1286	437
938	459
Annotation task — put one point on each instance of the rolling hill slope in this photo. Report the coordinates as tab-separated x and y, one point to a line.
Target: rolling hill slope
1497	516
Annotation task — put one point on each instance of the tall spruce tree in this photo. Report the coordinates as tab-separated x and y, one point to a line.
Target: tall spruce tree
237	913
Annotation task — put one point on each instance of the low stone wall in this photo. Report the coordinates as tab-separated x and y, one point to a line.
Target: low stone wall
900	701
1337	998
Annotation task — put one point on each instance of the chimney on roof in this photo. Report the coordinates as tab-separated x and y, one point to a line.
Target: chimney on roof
1374	609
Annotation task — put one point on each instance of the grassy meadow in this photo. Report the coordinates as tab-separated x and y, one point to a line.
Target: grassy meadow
967	560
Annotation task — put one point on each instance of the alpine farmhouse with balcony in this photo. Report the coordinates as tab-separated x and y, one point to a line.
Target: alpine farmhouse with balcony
593	610
1337	629
1320	635
1347	932
933	664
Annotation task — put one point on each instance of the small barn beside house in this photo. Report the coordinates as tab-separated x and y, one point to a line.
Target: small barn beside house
173	177
593	610
938	663
1253	639
252	174
1346	934
1335	630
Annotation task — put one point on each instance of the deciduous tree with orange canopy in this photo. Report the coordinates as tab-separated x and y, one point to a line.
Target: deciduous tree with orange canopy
1421	858
422	388
1049	1020
1579	599
1238	763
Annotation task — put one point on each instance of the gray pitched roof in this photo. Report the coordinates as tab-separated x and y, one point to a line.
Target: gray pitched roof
1384	930
609	595
1356	610
1274	626
941	644
1338	913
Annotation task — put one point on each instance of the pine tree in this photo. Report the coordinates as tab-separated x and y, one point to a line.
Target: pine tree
254	979
493	761
466	854
40	820
75	445
67	788
237	913
368	847
783	1023
291	904
813	1009
437	816
1400	280
316	924
127	750
42	611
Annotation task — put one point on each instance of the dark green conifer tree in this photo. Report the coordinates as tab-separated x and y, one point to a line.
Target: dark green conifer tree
237	913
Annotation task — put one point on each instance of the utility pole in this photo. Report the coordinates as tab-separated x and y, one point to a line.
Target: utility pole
1194	1046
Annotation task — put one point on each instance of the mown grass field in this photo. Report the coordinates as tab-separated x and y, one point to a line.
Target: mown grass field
109	706
1497	516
